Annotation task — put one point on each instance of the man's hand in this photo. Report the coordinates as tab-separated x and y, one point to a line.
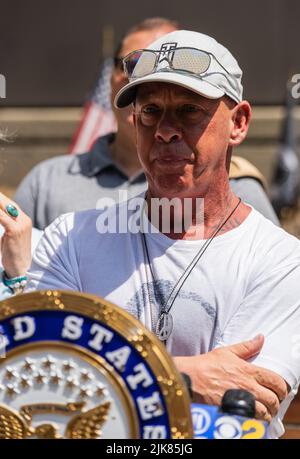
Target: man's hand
16	241
227	368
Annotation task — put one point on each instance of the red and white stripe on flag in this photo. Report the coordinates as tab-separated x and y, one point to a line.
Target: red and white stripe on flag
98	118
95	122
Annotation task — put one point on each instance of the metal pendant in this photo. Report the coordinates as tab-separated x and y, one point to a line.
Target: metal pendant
164	326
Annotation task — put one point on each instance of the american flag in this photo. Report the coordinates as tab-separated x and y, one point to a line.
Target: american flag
98	118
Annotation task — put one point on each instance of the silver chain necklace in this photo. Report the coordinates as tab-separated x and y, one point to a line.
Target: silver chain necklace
164	326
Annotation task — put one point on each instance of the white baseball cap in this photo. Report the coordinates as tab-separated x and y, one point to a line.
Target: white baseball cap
177	57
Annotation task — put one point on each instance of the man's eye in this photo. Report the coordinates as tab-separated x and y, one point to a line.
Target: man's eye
191	113
190	108
150	109
150	114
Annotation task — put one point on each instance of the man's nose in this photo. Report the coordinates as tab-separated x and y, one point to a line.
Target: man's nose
168	129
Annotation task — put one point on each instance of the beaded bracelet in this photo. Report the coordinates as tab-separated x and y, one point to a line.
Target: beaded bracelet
16	284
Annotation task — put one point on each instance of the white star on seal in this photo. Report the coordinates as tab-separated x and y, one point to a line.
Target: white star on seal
55	378
25	382
68	365
28	365
48	362
11	373
85	392
40	377
86	375
12	390
71	382
101	391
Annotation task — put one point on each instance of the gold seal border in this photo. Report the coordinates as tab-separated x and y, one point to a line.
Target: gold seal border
146	343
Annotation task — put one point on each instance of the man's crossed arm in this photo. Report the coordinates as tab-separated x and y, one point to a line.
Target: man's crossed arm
227	368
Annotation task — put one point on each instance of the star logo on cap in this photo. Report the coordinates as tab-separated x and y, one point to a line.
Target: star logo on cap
167	52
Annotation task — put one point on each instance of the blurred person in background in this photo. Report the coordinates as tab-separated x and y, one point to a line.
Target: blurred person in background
72	183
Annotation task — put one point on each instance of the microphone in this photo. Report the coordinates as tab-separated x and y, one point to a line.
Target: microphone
233	419
238	402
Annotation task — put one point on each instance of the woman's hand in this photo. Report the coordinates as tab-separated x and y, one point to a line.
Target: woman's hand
16	241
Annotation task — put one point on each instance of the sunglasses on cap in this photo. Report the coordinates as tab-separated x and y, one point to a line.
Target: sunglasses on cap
144	62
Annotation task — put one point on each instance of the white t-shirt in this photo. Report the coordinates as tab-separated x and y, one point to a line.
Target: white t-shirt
247	282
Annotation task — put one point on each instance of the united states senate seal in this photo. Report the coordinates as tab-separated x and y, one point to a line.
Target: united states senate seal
75	366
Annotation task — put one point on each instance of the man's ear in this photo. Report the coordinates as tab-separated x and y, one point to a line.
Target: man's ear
241	115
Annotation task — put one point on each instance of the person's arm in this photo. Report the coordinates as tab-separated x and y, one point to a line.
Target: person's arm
271	307
55	261
15	241
227	368
252	192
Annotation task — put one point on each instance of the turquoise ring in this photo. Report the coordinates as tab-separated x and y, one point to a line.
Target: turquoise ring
12	210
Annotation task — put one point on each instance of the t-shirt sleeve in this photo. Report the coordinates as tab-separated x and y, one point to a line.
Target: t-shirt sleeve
27	194
272	307
55	260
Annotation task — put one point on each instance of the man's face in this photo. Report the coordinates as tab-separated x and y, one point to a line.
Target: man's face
182	139
137	40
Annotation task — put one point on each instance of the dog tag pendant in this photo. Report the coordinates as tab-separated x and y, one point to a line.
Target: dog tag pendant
164	326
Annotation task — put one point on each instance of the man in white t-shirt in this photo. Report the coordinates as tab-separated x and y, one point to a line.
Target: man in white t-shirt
213	275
